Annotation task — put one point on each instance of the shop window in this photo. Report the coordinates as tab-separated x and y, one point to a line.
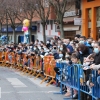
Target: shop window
69	34
98	22
89	22
89	15
98	14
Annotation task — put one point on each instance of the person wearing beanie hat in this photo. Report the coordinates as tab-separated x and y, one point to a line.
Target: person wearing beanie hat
77	35
76	40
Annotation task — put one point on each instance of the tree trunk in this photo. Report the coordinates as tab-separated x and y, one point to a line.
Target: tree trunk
30	32
44	36
1	29
61	30
14	36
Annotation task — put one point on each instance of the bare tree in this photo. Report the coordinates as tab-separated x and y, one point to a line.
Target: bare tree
2	14
1	20
60	7
43	12
13	14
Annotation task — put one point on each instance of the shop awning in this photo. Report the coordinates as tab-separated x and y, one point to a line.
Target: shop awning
71	28
67	19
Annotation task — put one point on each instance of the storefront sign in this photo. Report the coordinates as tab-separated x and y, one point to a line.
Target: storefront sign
77	21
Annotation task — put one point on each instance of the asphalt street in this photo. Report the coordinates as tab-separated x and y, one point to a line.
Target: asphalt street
16	86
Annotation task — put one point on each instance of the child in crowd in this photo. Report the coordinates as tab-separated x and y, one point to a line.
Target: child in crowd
75	60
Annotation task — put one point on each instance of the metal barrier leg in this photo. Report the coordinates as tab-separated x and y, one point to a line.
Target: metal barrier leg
34	73
30	73
39	75
51	82
44	79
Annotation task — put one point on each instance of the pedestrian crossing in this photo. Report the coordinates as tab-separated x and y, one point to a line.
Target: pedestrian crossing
17	83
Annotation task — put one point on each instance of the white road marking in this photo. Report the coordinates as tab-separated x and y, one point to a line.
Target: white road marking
6	92
16	82
0	92
21	92
37	91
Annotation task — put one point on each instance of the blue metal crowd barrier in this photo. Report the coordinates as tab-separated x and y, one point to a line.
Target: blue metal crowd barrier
71	76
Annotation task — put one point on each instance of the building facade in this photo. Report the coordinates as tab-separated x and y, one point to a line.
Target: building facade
91	18
18	33
71	25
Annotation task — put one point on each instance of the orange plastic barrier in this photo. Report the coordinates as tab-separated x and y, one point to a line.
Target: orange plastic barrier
35	65
49	64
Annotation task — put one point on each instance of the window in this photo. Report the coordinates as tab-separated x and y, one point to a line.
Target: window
57	28
77	4
46	26
38	27
89	15
47	23
90	0
51	23
98	14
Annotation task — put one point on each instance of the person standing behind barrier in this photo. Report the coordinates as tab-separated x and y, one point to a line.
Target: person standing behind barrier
83	51
55	53
76	39
68	46
96	62
87	71
75	60
98	78
42	52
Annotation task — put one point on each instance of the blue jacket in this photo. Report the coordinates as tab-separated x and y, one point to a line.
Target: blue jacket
70	48
56	56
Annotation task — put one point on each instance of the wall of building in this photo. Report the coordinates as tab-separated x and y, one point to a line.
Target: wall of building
89	19
50	30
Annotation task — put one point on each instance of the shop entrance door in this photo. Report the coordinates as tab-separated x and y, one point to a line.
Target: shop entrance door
70	34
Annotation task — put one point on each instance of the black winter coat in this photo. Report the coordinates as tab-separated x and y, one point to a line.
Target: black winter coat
97	59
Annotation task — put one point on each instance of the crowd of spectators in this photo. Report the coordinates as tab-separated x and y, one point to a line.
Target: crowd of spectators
81	50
